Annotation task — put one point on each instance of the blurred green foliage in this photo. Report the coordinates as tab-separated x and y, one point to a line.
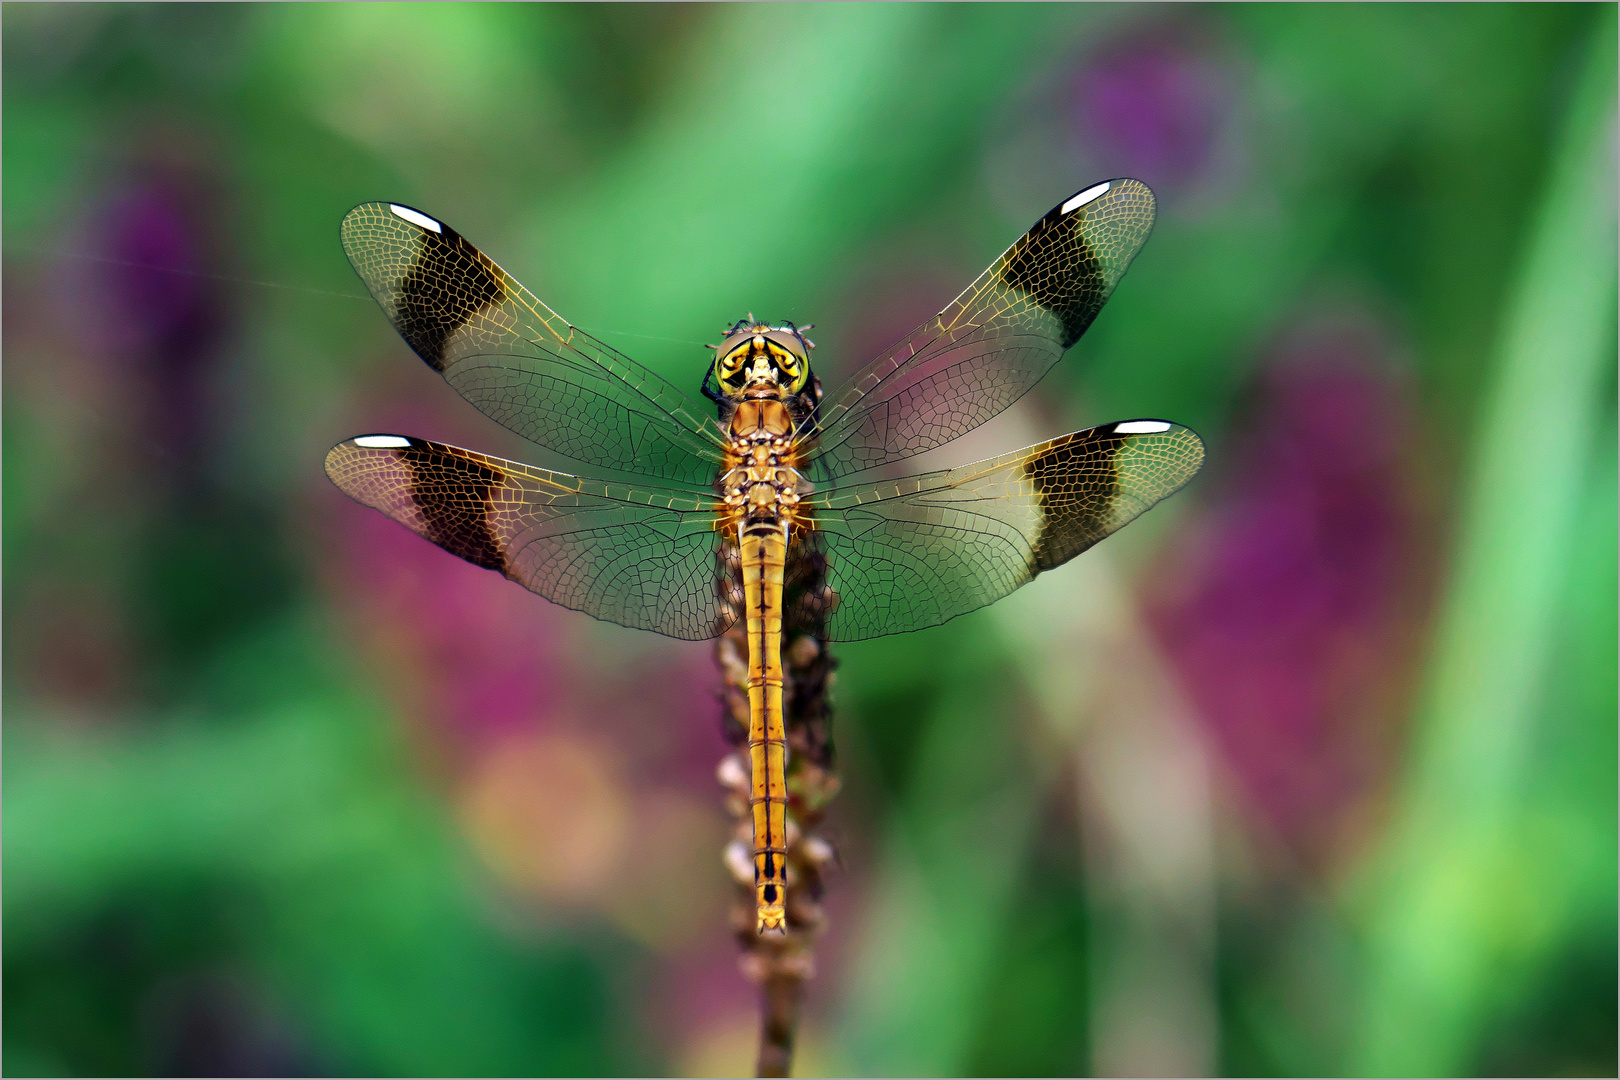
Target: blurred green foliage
237	816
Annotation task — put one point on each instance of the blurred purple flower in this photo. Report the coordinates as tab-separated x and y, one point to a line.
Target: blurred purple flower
472	655
1151	106
1288	621
141	300
161	304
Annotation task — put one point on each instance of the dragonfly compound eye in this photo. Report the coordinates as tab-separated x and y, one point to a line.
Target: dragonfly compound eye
729	366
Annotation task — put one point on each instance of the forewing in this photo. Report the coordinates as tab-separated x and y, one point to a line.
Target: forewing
996	340
913	553
518	361
636	556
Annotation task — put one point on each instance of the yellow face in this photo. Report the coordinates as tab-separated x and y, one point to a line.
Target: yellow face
758	356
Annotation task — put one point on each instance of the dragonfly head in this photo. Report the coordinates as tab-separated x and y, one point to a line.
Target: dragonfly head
757	357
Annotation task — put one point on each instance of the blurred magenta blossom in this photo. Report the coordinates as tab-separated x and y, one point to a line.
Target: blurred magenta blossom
473	656
1288	616
1152	105
140	265
149	234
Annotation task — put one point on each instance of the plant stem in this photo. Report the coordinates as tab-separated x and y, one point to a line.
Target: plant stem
779	1022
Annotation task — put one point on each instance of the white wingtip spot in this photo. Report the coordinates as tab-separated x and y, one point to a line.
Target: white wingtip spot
1141	427
1079	200
382	442
414	218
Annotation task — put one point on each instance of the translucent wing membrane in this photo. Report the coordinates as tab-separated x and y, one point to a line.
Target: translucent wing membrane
875	558
909	554
995	341
518	361
638	556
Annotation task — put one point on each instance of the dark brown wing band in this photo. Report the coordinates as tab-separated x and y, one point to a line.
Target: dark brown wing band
520	363
994	341
637	556
908	554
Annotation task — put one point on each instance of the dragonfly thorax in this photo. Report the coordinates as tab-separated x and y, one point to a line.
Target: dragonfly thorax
761	480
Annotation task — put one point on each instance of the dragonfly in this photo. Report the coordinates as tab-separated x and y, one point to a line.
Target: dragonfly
770	505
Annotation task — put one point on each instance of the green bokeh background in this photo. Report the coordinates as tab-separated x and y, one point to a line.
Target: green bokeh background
287	791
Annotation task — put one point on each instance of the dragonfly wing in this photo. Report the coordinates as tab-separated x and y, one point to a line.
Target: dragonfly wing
913	553
637	556
993	342
518	361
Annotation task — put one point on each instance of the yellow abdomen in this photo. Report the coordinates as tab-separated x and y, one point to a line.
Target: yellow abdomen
761	496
